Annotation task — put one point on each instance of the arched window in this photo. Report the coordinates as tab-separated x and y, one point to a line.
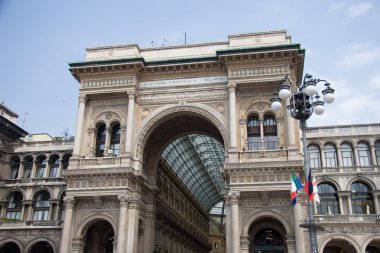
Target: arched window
14	206
115	139
361	199
54	166
100	140
347	155
377	151
253	130
41	167
42	205
15	167
364	155
270	132
314	156
28	166
329	199
330	156
65	161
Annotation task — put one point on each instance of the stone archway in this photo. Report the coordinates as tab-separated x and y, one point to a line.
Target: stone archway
339	246
267	235
168	125
98	237
10	247
41	247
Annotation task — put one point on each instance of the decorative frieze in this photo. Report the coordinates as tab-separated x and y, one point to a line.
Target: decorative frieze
183	96
260	71
108	83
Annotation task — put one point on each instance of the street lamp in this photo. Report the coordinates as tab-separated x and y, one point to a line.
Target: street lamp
302	103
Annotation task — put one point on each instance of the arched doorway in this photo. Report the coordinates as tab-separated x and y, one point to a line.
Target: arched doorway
10	247
267	235
99	237
42	247
339	246
184	153
373	247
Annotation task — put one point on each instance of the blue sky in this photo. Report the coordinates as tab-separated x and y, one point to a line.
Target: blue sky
39	38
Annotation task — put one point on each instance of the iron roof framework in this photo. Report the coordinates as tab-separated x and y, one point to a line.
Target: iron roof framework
196	160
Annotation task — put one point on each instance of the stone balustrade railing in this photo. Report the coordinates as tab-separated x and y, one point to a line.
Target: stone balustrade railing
263	155
343	130
353	218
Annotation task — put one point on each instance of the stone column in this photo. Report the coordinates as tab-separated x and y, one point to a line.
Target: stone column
290	137
130	120
234	198
340	159
107	141
227	206
356	155
375	195
244	134
21	170
290	244
78	245
262	143
298	231
232	115
323	158
133	223
122	233
373	156
66	232
149	229
341	209
78	131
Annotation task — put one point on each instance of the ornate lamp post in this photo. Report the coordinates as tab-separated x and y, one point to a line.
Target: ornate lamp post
302	103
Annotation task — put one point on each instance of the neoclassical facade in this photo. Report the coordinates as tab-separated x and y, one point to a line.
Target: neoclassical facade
177	150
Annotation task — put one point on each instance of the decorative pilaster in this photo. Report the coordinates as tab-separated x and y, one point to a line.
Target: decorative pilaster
373	156
262	144
298	231
376	195
133	223
234	200
340	160
122	235
150	218
80	118
78	245
130	120
66	232
244	134
227	206
232	115
290	243
107	141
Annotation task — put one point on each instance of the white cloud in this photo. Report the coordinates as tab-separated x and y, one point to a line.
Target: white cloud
374	82
356	10
356	55
336	6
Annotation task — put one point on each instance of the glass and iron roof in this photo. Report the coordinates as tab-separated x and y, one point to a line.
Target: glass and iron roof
197	159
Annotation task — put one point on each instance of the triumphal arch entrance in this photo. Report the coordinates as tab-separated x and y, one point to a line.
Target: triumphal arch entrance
178	150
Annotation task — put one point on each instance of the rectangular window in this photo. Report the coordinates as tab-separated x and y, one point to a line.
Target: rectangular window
14	173
40	172
14	215
347	158
364	158
253	142
27	172
314	160
53	172
41	215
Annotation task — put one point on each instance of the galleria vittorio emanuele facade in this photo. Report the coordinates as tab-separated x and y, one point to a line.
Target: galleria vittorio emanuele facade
177	149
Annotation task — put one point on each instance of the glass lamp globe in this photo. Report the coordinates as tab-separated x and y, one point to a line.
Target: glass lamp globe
284	93
310	90
318	107
329	98
276	105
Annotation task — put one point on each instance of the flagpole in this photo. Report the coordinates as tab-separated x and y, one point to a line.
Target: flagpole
310	211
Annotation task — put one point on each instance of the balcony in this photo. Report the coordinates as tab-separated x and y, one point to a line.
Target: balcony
263	155
353	169
349	218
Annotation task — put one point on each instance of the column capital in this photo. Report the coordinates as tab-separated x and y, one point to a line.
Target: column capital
69	201
376	193
131	94
134	201
244	242
82	98
123	199
231	87
243	121
233	197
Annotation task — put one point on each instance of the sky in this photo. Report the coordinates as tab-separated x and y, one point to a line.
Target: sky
39	38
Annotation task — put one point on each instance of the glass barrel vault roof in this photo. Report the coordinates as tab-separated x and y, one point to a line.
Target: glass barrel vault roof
197	159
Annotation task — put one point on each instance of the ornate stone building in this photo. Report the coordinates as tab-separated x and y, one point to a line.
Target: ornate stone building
178	150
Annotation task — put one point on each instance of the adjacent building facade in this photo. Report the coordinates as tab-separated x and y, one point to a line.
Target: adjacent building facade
178	150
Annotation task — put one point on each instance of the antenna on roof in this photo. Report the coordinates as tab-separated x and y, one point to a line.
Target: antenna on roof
23	121
185	38
152	43
163	42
